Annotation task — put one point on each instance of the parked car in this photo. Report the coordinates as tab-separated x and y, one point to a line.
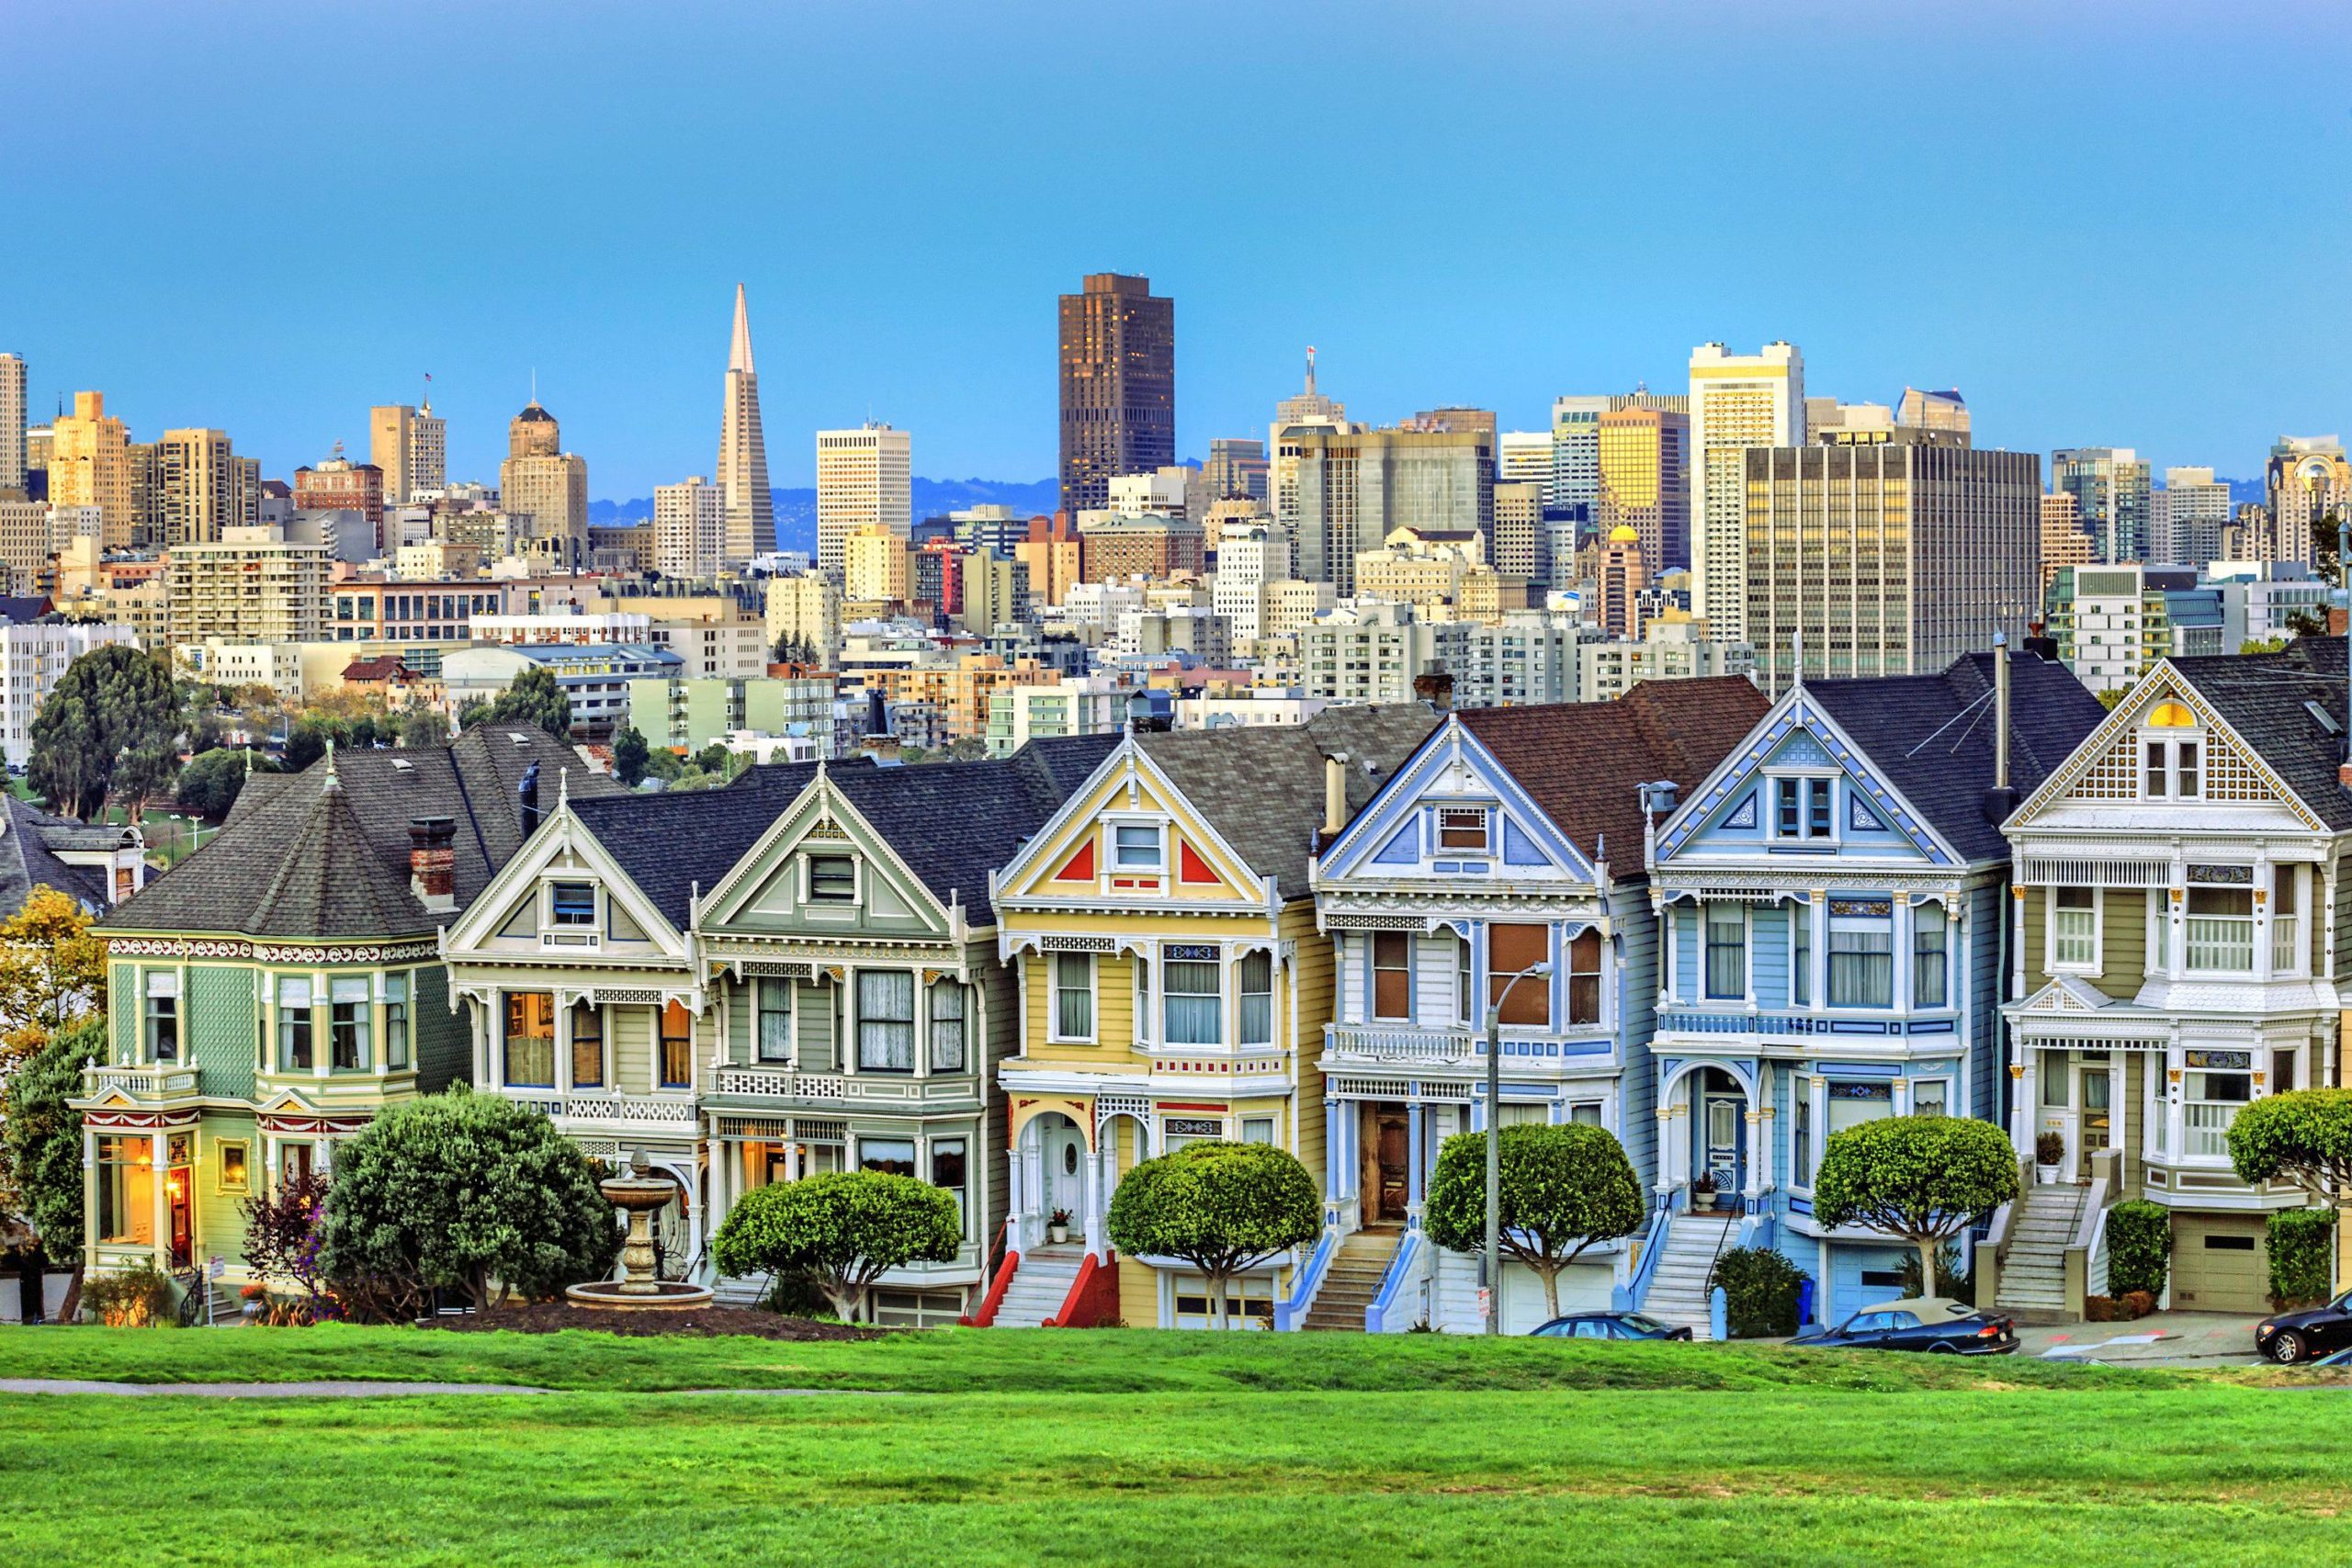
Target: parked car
1607	1325
2290	1336
1926	1323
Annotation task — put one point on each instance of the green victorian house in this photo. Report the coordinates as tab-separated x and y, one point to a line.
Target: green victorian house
272	992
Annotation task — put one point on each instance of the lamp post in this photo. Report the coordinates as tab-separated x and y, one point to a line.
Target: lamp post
1489	1274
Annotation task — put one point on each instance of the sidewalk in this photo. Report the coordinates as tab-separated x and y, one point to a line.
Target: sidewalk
2198	1338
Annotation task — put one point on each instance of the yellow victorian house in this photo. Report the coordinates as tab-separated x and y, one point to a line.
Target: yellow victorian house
1173	987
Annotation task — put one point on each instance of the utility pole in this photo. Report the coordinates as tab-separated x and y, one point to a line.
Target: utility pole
1489	1261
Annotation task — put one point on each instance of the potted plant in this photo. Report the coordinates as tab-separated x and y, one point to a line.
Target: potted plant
256	1298
1702	1192
1057	1227
2048	1154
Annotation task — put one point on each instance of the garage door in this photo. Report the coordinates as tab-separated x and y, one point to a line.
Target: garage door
2218	1263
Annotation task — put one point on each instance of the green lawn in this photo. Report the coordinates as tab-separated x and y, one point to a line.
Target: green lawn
1138	1447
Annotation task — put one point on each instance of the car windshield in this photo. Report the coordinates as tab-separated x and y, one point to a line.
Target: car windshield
1641	1324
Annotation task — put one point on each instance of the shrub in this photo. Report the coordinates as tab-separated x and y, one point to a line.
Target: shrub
843	1230
1759	1288
2138	1247
1221	1207
2138	1303
2050	1148
137	1297
1563	1187
2098	1309
2302	1256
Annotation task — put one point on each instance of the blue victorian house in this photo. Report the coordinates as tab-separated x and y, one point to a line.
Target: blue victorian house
1830	904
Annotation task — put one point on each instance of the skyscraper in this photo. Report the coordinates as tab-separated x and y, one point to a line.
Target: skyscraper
689	528
89	465
2110	486
1622	579
1737	400
200	487
743	452
411	446
542	482
1643	456
2187	517
2308	479
864	479
1118	385
1945	412
12	426
1340	491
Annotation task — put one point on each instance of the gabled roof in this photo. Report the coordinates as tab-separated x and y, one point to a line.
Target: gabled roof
2262	696
672	843
29	839
1931	737
1582	761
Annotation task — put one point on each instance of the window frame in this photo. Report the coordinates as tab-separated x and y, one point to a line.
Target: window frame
1922	969
1058	992
1875	998
508	1037
1116	859
579	918
350	1025
937	1149
811	881
946	1024
663	1041
1247	1030
864	1020
400	1044
160	986
1374	1004
1709	947
770	985
1479	820
2051	962
1199	1008
297	1025
1582	982
1805	808
1528	1005
595	1037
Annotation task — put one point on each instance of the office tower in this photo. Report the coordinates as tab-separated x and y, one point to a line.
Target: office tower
864	479
1943	412
1451	421
1622	577
2307	481
89	465
1236	471
1154	492
550	486
743	452
805	607
1890	559
341	485
1308	407
411	446
689	528
2063	543
1575	452
1340	491
12	427
1118	385
1643	454
1521	550
2186	517
2111	487
1737	400
199	487
1523	454
1248	558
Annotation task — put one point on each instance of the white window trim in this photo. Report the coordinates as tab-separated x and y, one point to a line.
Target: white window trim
2050	963
1488	813
1111	866
1772	833
1053	1036
809	899
548	885
1746	960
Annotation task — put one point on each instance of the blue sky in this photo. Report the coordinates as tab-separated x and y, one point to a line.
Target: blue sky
2104	222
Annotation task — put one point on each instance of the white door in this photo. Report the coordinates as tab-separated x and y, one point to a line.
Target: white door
1065	1153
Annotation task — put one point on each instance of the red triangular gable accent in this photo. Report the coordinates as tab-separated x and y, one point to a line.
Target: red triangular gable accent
1080	867
1190	867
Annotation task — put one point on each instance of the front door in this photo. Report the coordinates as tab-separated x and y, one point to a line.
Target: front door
1065	1160
2096	1125
1388	1185
182	1190
1723	1129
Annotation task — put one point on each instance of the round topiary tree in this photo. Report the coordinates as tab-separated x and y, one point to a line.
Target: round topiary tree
1221	1207
842	1231
2303	1136
466	1190
1922	1178
1563	1188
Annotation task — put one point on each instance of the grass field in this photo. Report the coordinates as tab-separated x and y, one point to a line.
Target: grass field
1135	1447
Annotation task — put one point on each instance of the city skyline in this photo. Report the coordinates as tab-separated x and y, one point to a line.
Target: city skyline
2158	318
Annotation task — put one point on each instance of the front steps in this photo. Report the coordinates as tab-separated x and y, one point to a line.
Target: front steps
1039	1286
2033	1271
1353	1279
1678	1288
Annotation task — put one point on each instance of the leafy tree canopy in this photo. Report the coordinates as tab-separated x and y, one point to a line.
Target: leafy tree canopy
1221	1207
111	721
40	1137
631	756
52	971
535	698
210	784
2303	1136
1924	1179
1563	1187
843	1230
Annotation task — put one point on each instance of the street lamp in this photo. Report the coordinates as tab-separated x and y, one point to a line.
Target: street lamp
1489	1275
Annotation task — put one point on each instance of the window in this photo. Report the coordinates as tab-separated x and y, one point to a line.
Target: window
1861	952
587	1045
530	1040
2074	928
347	1024
1257	1129
1800	807
948	1170
1801	954
2286	930
1175	1131
2220	931
948	1027
891	1157
1728	951
832	879
1585	1113
1800	1138
1463	993
236	1165
1392	975
1929	960
1584	978
1511	950
571	904
1256	979
2215	1088
1461	828
2282	1070
2054	1093
1073	997
885	1021
126	1189
294	1025
1191	1001
677	1046
396	1040
2172	770
1929	1097
1852	1104
773	1026
163	1015
1136	847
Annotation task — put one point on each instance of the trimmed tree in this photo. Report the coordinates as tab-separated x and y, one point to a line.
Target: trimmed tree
470	1191
2303	1136
114	712
1563	1188
1221	1207
1922	1178
41	1145
842	1231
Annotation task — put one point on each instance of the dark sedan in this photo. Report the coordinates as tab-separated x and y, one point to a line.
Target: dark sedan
1608	1325
2289	1336
1931	1324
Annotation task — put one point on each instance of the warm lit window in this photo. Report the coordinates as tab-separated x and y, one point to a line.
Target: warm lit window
1392	975
530	1040
1584	978
677	1045
1461	828
1512	950
587	1045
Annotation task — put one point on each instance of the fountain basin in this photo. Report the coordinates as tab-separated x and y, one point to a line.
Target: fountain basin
638	1195
663	1295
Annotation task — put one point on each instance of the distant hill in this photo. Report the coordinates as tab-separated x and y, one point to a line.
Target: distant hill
796	509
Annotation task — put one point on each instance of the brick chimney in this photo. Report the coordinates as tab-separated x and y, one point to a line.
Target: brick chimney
432	863
1434	686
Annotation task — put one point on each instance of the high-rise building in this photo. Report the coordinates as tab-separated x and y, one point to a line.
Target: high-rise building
864	479
1451	421
2110	486
542	482
2308	479
89	465
1118	385
1737	400
874	565
1340	491
1943	412
12	427
411	446
1520	550
742	474
1617	605
1576	453
252	584
1308	407
2186	518
996	593
2063	543
805	606
1249	557
199	487
1523	454
1236	471
1643	454
341	485
1892	558
689	528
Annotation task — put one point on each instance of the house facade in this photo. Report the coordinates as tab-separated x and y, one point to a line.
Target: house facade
1830	903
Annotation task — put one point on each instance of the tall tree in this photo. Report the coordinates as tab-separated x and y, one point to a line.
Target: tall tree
306	743
424	727
1563	1188
535	698
1221	1207
210	784
41	1145
52	971
631	756
113	712
1922	1178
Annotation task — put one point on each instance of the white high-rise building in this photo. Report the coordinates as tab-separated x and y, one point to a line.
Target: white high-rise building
2187	517
12	425
743	454
1737	400
1523	454
689	528
1249	557
864	479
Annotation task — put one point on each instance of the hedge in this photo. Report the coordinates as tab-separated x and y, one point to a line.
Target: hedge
2138	1247
1759	1288
2302	1256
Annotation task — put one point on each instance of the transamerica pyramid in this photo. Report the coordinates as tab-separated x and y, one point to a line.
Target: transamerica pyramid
749	511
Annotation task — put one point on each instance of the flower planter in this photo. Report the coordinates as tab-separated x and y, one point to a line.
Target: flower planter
1058	1235
2045	1175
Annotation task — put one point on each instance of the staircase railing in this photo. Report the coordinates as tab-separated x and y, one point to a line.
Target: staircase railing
1403	1276
1646	1266
1292	1314
999	1278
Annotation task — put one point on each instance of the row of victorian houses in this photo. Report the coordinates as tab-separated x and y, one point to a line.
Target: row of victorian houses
1974	893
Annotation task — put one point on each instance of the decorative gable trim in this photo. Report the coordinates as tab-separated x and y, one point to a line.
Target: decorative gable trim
1126	780
836	823
1526	837
565	835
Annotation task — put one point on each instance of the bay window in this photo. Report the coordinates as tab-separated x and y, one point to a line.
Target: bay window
127	1176
1255	975
948	1170
1861	952
1930	966
1727	953
1930	1097
885	1021
396	1040
674	1055
1584	978
1852	1104
1073	997
1512	950
2216	1087
163	1025
529	1036
891	1157
1191	1000
2220	931
946	1027
347	1031
773	1028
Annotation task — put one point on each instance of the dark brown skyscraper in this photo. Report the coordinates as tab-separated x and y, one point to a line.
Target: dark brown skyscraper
1118	385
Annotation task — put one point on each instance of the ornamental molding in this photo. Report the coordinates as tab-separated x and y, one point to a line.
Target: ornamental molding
268	952
1436	904
781	960
1801	884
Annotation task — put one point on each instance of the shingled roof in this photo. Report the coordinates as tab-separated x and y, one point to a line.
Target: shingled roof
1582	761
1931	737
2263	697
298	860
29	839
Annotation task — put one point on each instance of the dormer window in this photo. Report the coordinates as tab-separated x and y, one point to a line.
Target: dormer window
1801	809
1136	847
832	879
571	904
1461	828
2173	765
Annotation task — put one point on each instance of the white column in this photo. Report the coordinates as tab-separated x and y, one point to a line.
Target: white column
922	1025
2175	1108
844	1025
563	1045
2022	1093
160	1145
1665	1148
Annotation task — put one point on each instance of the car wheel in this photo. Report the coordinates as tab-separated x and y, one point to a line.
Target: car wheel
2288	1347
1943	1348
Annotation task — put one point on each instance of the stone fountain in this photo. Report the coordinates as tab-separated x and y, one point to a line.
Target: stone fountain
640	1195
